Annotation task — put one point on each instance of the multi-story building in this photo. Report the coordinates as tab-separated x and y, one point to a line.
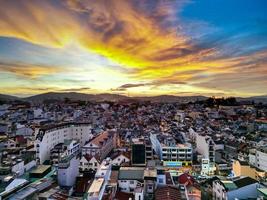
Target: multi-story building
206	147
258	158
49	136
261	158
68	170
141	151
169	150
101	145
130	178
62	149
102	176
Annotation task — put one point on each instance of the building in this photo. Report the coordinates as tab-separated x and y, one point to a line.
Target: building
242	168
67	148
141	152
171	152
88	162
101	145
168	192
205	146
150	183
240	187
68	170
130	178
102	177
49	136
261	158
120	158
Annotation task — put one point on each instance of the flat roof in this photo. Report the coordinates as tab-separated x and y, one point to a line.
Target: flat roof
40	169
25	193
96	187
131	173
263	191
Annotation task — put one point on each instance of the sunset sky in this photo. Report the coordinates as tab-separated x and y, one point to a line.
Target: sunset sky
134	47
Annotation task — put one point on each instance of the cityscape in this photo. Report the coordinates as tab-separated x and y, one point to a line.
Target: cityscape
133	100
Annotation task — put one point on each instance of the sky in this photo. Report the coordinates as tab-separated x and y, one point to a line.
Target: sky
134	47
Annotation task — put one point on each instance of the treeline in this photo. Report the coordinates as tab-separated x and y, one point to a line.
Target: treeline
212	102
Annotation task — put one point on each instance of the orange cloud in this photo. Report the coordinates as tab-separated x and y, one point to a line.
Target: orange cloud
29	71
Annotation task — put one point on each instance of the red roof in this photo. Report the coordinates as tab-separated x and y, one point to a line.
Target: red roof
186	179
123	196
168	193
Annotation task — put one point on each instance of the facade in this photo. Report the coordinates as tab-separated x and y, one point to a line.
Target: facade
130	178
68	170
120	159
206	147
241	187
62	149
89	163
102	176
101	145
169	151
261	158
241	168
48	137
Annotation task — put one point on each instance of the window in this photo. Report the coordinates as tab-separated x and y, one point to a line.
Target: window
132	182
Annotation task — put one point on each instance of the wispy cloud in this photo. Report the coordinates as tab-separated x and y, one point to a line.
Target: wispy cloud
28	70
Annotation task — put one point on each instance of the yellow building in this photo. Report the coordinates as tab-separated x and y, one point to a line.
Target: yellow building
241	168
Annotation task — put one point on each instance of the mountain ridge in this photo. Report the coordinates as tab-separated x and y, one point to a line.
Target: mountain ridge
116	97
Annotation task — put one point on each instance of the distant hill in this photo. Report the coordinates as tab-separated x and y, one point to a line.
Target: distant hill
110	97
115	97
172	98
74	96
4	97
256	99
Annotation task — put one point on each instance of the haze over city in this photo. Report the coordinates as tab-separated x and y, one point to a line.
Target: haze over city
136	48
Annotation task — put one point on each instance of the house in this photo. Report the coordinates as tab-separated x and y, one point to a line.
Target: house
130	178
88	162
120	158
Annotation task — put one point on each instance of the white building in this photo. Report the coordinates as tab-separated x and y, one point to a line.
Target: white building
102	176
68	170
240	188
48	137
168	150
130	178
261	158
206	147
120	159
88	162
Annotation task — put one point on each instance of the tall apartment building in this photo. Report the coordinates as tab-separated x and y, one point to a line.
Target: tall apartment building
68	170
141	151
171	152
206	147
101	145
68	163
49	136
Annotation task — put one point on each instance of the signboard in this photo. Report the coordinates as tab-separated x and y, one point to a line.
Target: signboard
172	164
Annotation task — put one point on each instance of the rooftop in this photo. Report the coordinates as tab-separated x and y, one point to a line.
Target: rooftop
96	187
131	173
